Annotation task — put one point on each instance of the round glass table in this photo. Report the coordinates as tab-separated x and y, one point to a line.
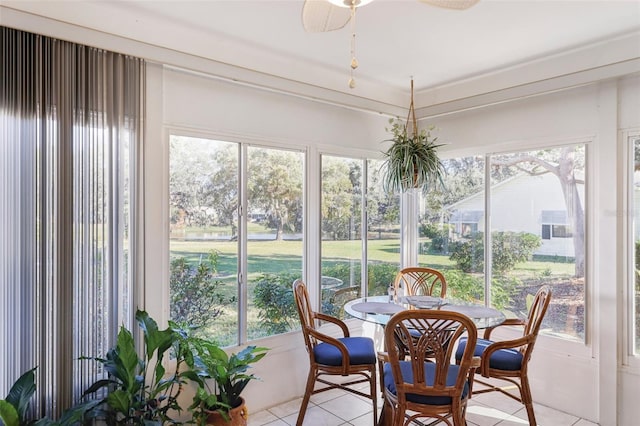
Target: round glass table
379	309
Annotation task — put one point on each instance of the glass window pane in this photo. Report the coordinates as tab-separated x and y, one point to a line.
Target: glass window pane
274	241
203	244
383	232
341	248
451	225
537	234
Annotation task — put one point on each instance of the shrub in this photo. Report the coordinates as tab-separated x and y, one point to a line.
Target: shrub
273	296
195	293
439	236
470	288
508	249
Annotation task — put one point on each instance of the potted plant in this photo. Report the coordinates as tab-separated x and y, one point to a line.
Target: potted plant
220	402
137	390
13	409
412	159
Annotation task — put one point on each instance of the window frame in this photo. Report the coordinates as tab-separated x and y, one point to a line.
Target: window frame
630	359
243	145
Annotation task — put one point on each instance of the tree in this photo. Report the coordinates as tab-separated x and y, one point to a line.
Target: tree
275	188
203	183
382	208
562	163
340	198
463	177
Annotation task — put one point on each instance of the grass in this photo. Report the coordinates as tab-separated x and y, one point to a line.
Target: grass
272	256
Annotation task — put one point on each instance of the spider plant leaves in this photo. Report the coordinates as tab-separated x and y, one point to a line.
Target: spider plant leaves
412	162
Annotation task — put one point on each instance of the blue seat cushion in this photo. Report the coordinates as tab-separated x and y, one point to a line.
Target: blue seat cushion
361	351
502	359
429	377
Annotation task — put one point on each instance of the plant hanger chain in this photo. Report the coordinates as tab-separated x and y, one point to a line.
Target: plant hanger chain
412	114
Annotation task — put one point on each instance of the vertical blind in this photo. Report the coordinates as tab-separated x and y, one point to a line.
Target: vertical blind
70	149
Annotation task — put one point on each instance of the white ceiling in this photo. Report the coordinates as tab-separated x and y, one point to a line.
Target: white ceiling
396	39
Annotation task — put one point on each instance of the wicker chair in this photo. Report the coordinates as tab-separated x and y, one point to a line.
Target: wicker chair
328	356
421	281
509	359
421	386
341	296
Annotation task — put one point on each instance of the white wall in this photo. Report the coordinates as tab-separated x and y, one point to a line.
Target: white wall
230	109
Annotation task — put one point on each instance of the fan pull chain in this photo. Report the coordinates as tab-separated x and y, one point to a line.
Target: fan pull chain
354	61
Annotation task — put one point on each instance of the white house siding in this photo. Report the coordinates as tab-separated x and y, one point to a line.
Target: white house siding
517	205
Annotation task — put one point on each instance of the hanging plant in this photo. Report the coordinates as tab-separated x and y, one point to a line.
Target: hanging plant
412	159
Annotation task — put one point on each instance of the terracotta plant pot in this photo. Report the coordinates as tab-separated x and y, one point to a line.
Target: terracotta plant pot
238	416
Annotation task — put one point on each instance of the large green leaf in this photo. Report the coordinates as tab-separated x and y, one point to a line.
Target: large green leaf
125	358
22	391
120	401
8	414
160	340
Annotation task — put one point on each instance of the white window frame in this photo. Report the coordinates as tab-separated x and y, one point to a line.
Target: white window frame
244	142
630	360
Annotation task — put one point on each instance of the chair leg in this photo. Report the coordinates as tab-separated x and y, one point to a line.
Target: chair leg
397	416
311	381
374	395
527	400
472	373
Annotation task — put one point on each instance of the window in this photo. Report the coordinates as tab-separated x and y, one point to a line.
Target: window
71	127
347	246
555	225
450	229
536	233
231	274
526	189
634	282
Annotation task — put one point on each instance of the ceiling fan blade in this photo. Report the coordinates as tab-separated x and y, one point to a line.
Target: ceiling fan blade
320	16
452	4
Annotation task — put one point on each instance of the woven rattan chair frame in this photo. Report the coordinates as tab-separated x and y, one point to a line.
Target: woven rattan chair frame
341	296
519	378
312	337
421	281
422	332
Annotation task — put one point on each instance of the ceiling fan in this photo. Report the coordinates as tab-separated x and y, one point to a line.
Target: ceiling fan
329	15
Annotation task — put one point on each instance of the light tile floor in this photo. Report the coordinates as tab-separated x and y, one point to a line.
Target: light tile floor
339	408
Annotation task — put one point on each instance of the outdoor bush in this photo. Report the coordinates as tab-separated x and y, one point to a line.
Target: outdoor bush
195	293
429	229
439	235
273	296
502	291
380	275
470	288
508	249
463	286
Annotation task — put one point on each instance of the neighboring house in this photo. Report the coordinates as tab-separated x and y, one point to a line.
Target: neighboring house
533	204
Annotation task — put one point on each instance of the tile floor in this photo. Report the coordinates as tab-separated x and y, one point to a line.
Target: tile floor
339	408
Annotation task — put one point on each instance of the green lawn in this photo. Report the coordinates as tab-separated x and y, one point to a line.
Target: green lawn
277	256
286	256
